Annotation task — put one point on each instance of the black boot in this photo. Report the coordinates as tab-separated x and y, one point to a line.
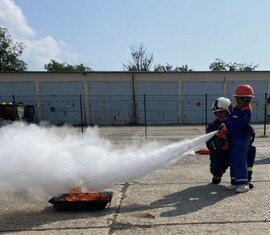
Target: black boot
216	180
251	186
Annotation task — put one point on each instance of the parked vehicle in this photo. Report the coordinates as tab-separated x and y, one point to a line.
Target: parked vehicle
16	112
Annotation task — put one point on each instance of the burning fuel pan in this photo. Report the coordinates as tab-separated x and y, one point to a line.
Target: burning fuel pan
81	201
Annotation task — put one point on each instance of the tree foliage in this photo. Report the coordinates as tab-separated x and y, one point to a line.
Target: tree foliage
55	66
220	65
141	60
169	68
163	68
9	53
183	68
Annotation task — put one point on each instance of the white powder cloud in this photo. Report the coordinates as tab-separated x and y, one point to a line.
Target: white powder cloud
37	51
60	158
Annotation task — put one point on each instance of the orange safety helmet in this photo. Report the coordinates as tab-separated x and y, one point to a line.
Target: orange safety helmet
244	90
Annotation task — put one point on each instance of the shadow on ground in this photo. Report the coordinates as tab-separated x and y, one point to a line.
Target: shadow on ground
262	161
183	202
192	199
186	201
23	220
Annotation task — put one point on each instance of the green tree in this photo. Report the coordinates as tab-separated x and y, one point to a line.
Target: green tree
169	68
9	53
141	60
220	65
163	68
55	66
183	68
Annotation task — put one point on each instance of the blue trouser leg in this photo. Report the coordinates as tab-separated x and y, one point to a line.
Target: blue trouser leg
239	150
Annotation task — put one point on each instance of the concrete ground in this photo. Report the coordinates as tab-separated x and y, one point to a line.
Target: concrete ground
175	200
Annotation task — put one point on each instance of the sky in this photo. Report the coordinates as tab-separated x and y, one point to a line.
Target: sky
99	33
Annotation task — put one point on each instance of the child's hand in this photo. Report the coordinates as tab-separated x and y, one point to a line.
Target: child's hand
222	128
222	131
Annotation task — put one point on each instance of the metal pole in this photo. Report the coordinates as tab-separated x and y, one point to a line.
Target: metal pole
14	107
205	112
145	120
81	112
134	110
265	114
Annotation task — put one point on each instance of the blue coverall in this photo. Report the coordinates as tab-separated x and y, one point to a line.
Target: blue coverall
237	124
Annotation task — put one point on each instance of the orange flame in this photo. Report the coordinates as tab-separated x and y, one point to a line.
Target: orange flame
77	194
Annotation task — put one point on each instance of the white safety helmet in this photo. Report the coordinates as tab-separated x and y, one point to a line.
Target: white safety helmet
222	103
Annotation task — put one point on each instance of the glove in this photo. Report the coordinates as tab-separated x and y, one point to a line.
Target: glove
222	128
210	145
220	143
217	144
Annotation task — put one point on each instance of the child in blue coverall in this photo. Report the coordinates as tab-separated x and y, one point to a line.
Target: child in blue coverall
237	125
219	145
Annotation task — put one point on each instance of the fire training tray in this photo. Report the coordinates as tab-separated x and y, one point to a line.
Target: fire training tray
64	205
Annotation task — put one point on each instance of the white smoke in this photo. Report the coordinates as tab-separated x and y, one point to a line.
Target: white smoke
51	160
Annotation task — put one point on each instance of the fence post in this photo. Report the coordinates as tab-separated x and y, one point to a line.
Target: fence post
81	112
265	115
145	120
134	110
205	112
14	107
